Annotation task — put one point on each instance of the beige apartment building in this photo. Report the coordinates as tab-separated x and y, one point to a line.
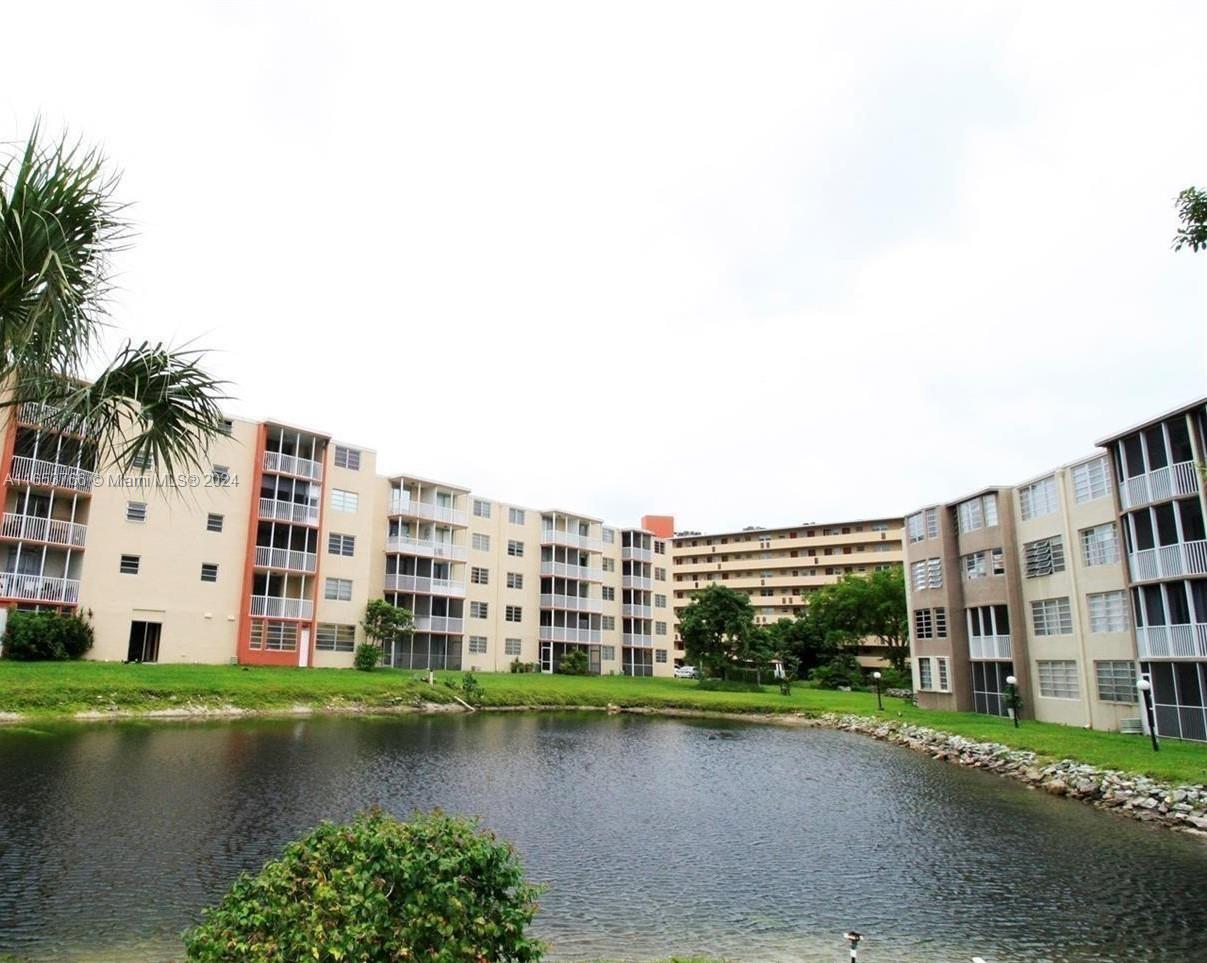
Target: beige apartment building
272	554
778	567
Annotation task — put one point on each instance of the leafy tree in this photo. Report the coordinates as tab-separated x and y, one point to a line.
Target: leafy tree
573	662
859	607
60	226
45	636
841	670
384	622
800	644
718	629
378	890
1192	212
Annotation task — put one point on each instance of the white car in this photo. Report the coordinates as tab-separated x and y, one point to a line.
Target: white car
686	672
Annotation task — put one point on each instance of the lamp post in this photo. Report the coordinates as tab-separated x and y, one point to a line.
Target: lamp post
1146	698
879	704
853	938
1012	697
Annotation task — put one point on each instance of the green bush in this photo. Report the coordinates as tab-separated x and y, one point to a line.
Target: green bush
842	670
367	656
471	689
574	662
728	685
518	666
436	889
890	678
38	636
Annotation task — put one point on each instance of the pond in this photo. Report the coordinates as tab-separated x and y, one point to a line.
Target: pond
655	836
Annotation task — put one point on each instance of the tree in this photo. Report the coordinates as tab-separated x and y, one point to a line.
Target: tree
799	644
384	622
718	628
859	607
1192	211
60	226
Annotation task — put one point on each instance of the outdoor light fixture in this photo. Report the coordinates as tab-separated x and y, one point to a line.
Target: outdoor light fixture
1146	700
853	938
879	704
1012	701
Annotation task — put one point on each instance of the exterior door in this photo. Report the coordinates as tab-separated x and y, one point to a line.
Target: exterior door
144	642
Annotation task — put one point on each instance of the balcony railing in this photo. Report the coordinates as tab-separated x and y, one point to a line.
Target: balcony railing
275	461
281	511
1165	561
439	623
38	415
990	647
572	603
564	633
424	585
281	608
1181	641
50	474
54	531
410	508
404	545
39	588
636	639
632	554
637	582
638	611
288	559
556	536
1154	486
566	570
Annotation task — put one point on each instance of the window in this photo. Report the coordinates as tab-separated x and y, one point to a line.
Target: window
609	565
227	427
481	508
213	523
659	548
274	636
220	475
659	601
513	613
511	646
977	513
331	637
129	565
660	628
478	610
477	645
136	511
480	542
1108	611
925	679
609	535
1046	556
975	565
143	461
1052	616
607	653
1058	679
515	580
515	549
479	576
609	593
1091	479
1116	681
608	623
342	501
338	544
347	458
1038	498
1100	544
914	526
660	655
209	572
927	574
930	623
338	589
944	683
660	574
515	516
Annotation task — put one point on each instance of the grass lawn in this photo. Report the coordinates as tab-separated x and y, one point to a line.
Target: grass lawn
65	688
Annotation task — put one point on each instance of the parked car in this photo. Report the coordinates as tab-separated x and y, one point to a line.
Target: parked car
686	672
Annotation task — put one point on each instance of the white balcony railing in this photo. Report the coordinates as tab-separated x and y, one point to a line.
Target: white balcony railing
293	465
631	554
281	608
1181	641
411	508
405	545
556	536
637	582
638	611
424	585
1154	486
286	558
282	511
38	415
439	623
39	588
572	603
990	647
634	638
565	633
1164	561
566	570
51	530
50	474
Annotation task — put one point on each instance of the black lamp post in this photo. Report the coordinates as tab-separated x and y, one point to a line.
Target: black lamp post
879	704
853	938
1146	697
1012	699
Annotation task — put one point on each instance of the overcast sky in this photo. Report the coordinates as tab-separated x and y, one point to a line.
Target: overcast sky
742	263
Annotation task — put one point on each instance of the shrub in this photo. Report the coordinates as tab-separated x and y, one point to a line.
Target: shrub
728	685
891	678
842	670
367	656
471	689
37	636
518	666
436	889
574	662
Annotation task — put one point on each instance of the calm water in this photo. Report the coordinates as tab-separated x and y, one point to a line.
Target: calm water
654	835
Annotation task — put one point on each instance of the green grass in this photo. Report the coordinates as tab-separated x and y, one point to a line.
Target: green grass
65	688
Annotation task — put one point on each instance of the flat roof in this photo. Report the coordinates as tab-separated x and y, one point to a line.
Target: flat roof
1182	409
562	511
429	481
792	527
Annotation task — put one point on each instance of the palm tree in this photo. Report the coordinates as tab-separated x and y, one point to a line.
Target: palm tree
59	227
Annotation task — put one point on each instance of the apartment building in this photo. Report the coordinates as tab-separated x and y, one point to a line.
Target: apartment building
778	567
271	555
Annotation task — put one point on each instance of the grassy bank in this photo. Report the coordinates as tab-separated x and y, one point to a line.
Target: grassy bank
63	689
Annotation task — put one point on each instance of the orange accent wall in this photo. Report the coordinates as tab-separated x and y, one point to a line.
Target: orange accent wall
661	525
243	649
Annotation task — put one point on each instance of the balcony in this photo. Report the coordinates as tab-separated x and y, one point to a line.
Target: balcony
274	509
1154	486
287	559
565	633
638	611
408	508
640	641
1167	561
50	474
275	461
281	608
445	624
637	582
39	588
991	647
49	417
566	570
555	536
1182	641
52	531
424	585
631	554
404	545
571	603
